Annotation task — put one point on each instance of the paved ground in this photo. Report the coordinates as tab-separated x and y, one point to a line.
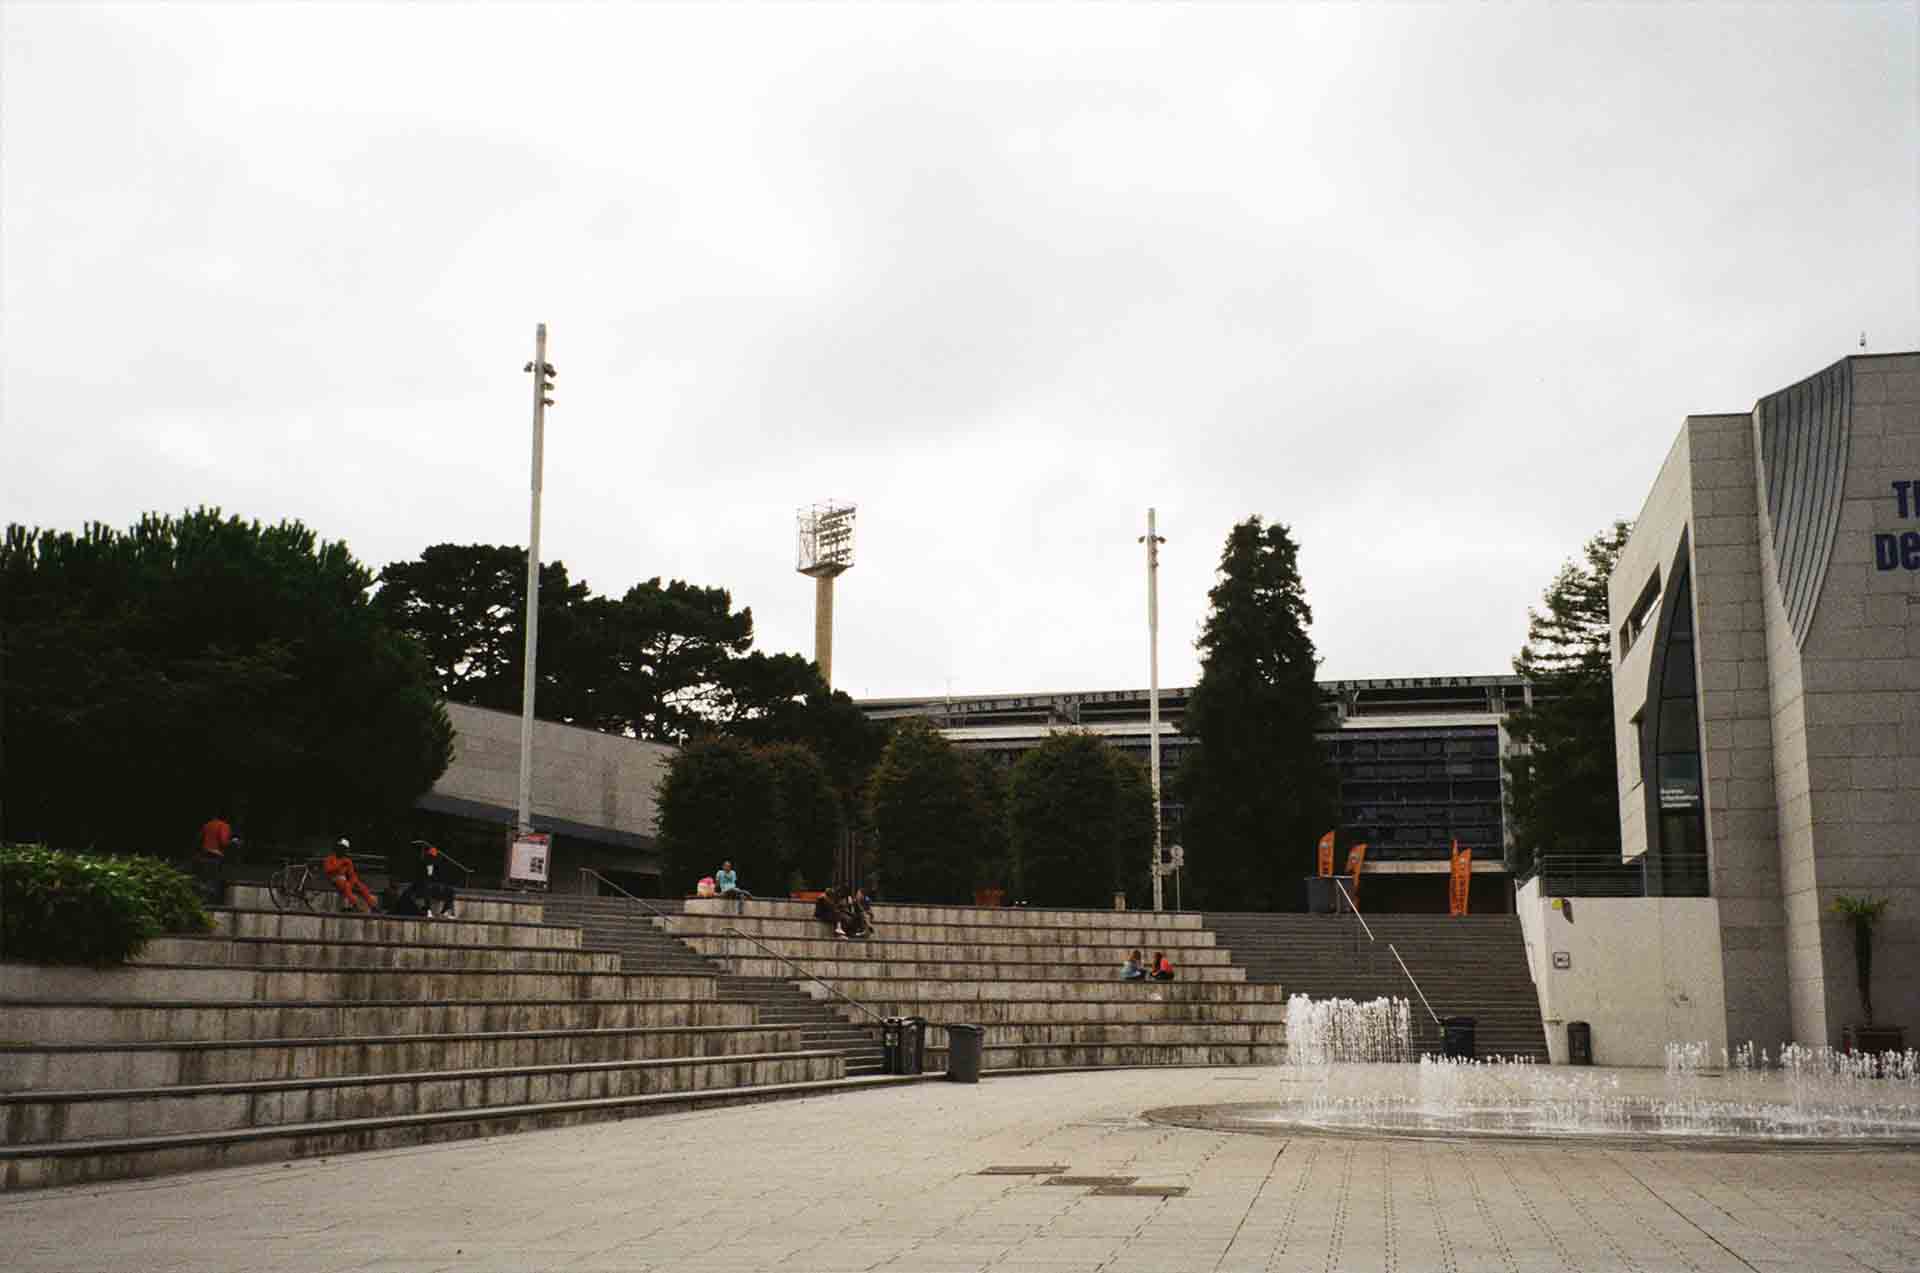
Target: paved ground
887	1180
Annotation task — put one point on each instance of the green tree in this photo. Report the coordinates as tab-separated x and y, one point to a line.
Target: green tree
1074	814
929	816
1258	789
1134	831
1562	782
198	663
993	866
809	822
719	801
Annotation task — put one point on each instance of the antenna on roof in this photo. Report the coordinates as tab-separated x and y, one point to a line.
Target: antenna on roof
1863	340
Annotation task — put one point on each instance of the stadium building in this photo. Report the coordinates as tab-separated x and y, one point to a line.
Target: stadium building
1418	759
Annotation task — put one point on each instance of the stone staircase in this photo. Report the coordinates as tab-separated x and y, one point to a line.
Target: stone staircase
640	935
1044	984
283	1035
1472	966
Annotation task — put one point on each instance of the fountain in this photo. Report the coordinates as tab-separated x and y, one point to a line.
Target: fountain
1351	1071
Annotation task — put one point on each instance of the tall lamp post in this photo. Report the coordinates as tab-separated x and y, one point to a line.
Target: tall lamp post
1153	541
543	374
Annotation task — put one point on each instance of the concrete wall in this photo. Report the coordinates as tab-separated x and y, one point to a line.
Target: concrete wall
580	775
1644	972
1846	724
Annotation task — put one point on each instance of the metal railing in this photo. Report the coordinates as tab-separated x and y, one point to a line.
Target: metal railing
731	931
1355	910
1602	873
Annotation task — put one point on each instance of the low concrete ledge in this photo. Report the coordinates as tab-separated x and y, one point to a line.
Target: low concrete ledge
73	1021
45	1118
42	1166
995	916
1109	937
256	952
109	1066
304	926
492	909
157	982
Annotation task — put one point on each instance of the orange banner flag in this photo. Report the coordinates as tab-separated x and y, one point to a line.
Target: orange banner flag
1326	855
1460	880
1356	858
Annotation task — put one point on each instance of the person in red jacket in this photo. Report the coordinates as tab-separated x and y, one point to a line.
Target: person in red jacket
1162	967
338	867
210	859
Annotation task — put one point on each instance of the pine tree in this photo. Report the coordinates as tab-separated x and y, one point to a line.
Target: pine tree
1562	785
1258	789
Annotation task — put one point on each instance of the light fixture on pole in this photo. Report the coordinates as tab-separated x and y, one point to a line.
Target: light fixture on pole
1153	541
543	374
826	553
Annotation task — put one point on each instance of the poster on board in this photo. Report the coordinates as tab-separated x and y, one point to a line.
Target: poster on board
528	860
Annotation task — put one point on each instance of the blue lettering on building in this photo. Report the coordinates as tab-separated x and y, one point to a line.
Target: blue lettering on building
1900	551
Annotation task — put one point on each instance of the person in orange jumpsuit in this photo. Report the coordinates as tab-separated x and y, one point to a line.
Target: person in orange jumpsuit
338	867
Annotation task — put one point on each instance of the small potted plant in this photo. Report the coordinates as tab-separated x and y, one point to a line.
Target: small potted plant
1863	914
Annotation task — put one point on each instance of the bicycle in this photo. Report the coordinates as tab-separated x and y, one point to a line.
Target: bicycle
296	885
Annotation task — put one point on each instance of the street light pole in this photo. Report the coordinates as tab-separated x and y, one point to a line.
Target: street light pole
542	386
1153	542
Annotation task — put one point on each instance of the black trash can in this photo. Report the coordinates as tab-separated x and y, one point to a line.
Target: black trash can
893	1042
913	1045
1458	1036
1579	1043
1322	899
963	1053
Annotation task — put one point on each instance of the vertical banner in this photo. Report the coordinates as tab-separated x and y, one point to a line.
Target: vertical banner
1460	880
1326	855
1356	858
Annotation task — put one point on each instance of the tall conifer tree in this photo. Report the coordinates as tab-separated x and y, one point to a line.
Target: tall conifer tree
1258	789
1562	789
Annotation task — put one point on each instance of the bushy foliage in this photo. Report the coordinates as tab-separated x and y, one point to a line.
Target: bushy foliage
1562	777
719	802
807	817
199	664
1076	811
931	818
84	908
1258	789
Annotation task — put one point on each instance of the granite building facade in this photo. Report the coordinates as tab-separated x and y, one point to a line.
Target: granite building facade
1766	616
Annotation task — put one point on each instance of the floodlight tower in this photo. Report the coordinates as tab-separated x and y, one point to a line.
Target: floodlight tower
826	552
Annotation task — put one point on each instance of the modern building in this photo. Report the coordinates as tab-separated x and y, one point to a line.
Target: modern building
1766	615
1419	762
592	792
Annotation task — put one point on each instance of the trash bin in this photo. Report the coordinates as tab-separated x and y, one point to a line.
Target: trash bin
913	1045
902	1043
963	1053
1458	1036
1579	1043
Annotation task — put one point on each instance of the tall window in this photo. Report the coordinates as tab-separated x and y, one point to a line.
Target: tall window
1677	866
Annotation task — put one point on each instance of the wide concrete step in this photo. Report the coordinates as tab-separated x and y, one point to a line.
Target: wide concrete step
987	955
295	926
177	983
858	969
104	1066
47	1117
43	1165
1119	936
1007	916
335	955
870	990
1129	1009
74	1021
1266	1033
1035	1056
257	897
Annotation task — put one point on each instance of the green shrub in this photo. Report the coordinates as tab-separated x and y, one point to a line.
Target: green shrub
84	908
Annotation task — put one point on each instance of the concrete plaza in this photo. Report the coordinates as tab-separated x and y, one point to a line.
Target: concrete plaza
890	1179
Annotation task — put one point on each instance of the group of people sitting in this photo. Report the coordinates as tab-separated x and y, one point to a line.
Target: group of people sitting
1135	969
849	912
430	884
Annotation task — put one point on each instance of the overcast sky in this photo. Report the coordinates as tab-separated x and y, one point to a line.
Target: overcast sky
1434	286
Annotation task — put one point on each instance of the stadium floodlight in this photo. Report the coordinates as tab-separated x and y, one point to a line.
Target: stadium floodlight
826	552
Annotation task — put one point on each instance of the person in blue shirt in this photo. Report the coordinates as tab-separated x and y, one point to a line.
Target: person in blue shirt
726	883
1133	969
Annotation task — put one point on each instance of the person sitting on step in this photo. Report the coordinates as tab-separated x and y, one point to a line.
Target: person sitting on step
337	866
1135	969
431	881
1162	967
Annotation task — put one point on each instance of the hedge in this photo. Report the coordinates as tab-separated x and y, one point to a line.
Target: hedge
86	908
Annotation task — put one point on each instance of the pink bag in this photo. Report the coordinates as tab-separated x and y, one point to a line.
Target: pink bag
705	887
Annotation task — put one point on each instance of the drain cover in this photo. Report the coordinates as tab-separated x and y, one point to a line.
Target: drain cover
1096	1181
1139	1191
1016	1169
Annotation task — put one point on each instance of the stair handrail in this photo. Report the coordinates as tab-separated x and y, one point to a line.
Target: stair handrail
731	931
1390	949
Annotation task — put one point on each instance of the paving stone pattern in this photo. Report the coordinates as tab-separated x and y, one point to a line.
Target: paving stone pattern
892	1179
